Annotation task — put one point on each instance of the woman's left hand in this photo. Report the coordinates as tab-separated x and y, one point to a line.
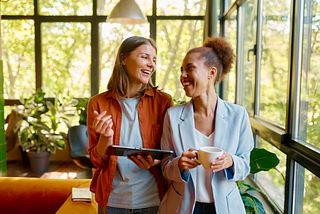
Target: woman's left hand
223	162
144	162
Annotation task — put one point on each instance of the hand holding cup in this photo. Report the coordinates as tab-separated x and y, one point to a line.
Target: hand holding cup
208	154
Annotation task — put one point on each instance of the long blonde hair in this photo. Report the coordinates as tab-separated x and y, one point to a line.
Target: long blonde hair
119	80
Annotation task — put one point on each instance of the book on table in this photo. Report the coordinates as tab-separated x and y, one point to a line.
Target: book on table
81	194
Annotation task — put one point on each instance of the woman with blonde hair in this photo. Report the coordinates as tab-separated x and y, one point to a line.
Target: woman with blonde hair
130	113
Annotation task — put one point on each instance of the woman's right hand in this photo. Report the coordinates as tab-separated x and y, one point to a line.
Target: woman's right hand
186	161
102	124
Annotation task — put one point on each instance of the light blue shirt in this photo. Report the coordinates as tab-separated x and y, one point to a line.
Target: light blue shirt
132	187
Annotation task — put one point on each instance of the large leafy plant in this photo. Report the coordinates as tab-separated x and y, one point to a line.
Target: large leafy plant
260	160
45	122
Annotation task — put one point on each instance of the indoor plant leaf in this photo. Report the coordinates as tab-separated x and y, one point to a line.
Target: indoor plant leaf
251	203
262	160
60	143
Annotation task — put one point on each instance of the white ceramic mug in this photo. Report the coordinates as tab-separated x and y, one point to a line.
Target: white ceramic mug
208	154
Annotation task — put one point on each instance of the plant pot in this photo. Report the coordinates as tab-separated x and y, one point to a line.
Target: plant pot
39	162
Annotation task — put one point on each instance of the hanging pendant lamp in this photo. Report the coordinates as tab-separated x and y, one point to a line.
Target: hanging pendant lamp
127	12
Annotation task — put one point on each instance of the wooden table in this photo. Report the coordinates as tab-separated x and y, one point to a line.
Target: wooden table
79	207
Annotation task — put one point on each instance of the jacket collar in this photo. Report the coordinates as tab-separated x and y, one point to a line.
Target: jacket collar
187	125
188	109
113	94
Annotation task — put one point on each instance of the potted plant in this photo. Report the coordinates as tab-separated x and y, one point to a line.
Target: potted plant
260	160
40	130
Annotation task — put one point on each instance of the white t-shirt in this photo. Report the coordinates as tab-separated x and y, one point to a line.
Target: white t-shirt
203	186
132	187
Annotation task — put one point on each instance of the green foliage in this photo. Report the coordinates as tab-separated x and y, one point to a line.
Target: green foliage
260	160
251	203
39	128
178	101
82	111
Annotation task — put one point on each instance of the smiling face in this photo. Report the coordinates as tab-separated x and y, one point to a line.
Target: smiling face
195	75
140	64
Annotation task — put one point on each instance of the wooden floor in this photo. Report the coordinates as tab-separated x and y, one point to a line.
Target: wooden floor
19	169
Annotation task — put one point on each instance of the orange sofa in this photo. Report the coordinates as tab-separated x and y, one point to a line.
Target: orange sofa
36	195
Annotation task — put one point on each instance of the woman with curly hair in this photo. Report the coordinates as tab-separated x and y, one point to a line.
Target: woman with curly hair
206	120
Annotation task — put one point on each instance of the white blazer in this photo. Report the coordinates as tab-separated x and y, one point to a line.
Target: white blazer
232	133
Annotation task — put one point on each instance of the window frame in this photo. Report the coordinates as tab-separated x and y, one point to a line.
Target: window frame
299	154
94	20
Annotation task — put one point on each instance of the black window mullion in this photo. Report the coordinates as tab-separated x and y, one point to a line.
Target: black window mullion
289	186
38	51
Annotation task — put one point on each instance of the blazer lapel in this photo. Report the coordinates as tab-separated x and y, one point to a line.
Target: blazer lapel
221	125
187	133
186	127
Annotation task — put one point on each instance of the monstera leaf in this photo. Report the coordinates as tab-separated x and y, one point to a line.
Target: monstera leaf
262	160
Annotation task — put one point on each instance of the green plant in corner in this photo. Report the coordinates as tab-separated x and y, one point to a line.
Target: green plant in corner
260	160
40	129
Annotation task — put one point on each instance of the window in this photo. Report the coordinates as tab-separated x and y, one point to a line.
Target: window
179	8
311	202
309	103
111	36
19	58
285	98
66	58
65	7
274	60
66	46
229	84
273	181
24	7
246	58
175	37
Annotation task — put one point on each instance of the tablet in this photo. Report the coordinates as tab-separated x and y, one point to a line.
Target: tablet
127	151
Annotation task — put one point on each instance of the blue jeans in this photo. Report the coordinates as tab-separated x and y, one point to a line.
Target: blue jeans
114	210
204	208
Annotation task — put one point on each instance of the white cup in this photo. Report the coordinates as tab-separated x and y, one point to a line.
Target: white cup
208	154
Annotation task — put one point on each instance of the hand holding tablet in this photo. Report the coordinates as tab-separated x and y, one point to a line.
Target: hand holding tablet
128	151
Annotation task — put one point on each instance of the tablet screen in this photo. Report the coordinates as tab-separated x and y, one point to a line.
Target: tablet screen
127	151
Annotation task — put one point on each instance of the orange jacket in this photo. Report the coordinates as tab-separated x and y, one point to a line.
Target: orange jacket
151	110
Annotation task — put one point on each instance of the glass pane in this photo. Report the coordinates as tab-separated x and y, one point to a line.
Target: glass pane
174	39
66	55
18	58
229	83
273	181
181	7
311	202
274	60
65	7
24	7
111	36
227	4
246	62
106	6
309	114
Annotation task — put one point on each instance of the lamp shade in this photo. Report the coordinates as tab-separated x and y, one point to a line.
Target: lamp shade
127	12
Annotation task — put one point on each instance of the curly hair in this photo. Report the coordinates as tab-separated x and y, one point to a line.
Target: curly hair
217	52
